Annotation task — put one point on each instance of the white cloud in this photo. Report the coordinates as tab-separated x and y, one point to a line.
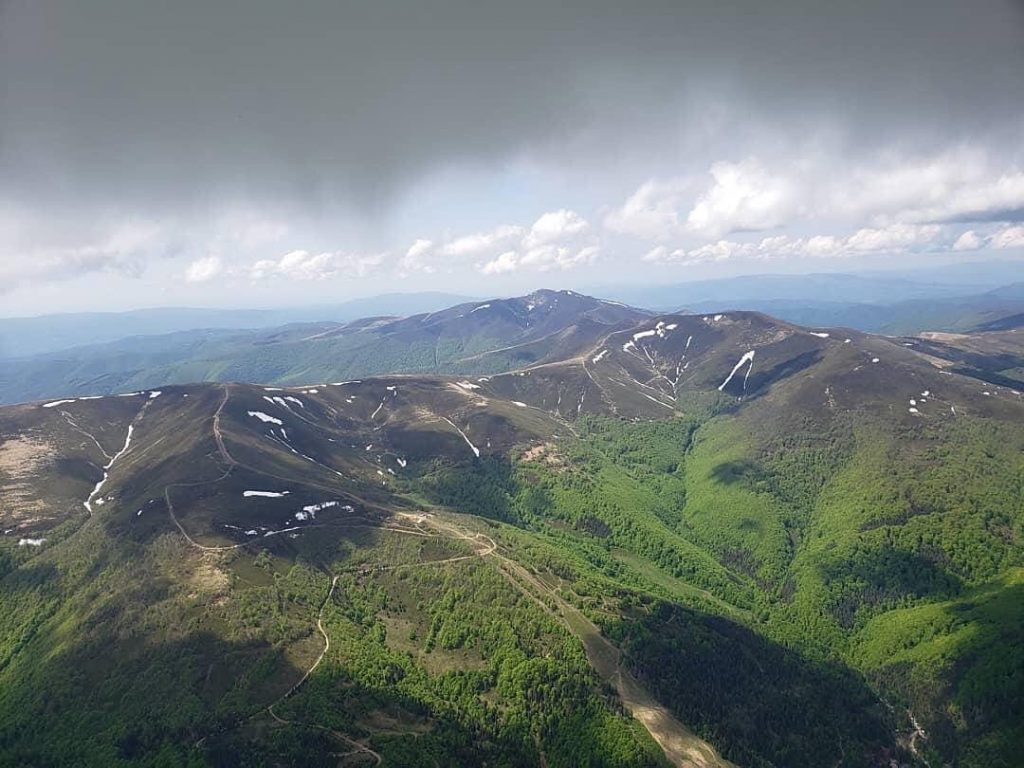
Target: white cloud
962	184
35	254
482	242
899	238
560	239
653	211
203	270
968	241
554	227
506	262
306	266
1009	237
416	258
895	238
879	196
743	197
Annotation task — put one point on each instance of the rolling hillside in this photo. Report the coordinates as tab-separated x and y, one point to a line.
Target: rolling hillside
613	539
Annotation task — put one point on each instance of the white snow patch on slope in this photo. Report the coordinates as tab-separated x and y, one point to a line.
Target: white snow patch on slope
477	309
467	385
266	494
309	512
106	467
748	357
155	394
476	451
521	405
265	418
819	335
31	542
55	403
599	356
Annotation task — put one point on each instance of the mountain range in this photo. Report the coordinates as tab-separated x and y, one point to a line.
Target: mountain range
546	530
74	355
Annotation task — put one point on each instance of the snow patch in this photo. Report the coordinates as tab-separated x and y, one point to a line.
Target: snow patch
819	335
309	512
265	418
31	542
266	494
600	356
748	357
521	405
476	451
477	309
55	403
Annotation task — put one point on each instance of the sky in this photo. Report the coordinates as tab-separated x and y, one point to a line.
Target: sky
255	153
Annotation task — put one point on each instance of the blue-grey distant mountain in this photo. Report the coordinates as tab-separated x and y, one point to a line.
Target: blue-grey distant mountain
477	337
23	336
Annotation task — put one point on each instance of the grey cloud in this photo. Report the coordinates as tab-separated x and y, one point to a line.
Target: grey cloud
188	102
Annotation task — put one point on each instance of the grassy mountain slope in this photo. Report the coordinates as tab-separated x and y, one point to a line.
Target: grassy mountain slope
809	555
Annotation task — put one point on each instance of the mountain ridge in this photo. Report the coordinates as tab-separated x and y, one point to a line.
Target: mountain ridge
692	493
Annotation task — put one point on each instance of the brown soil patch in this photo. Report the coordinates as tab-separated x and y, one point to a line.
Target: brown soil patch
22	459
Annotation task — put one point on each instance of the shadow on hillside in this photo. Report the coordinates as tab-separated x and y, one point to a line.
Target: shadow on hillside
741	471
762	378
29	576
757	701
983	672
484	489
884	576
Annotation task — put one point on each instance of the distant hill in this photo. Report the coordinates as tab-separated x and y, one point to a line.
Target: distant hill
24	336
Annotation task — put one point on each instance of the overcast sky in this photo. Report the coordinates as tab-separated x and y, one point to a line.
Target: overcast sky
252	153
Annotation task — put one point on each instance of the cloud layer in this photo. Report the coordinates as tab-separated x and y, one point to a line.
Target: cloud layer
207	142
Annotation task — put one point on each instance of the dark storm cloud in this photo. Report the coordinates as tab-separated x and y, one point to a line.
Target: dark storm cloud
182	102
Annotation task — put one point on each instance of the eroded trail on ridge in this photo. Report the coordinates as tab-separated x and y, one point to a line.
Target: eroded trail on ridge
681	746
